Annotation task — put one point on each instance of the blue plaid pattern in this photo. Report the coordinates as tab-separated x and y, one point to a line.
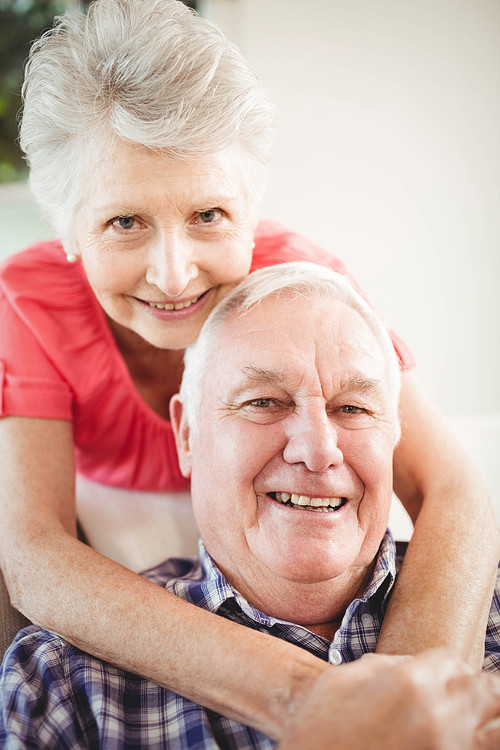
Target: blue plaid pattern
54	696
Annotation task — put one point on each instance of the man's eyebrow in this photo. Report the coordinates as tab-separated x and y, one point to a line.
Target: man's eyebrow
360	383
259	375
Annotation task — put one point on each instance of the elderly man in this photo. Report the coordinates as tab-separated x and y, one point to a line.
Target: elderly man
286	424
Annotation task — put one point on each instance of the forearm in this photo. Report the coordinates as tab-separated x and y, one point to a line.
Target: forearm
444	590
122	618
110	612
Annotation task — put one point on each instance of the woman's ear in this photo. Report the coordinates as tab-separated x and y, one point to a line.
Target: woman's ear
180	427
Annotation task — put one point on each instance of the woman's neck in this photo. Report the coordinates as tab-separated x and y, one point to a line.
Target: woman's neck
156	373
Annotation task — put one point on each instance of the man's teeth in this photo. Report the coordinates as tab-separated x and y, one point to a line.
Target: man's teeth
318	503
177	306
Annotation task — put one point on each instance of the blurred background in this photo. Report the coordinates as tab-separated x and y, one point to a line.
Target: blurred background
388	153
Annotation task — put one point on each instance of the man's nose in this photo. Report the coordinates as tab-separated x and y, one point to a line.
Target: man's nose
312	439
172	263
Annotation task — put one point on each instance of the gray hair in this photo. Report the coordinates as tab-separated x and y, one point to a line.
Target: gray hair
302	279
151	72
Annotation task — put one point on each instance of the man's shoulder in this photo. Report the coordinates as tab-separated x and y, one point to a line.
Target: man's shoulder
38	659
35	660
185	568
33	642
492	643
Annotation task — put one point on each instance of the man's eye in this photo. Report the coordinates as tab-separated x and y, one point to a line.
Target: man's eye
124	222
208	217
262	403
349	409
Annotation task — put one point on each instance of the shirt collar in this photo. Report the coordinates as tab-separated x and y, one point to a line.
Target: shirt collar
204	585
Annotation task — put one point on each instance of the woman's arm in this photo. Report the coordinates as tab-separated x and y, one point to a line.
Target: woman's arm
443	592
115	614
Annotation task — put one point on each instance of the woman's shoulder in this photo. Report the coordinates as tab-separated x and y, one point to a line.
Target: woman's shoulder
41	293
274	243
50	253
41	274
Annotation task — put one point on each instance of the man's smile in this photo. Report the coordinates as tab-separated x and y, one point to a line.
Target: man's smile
304	502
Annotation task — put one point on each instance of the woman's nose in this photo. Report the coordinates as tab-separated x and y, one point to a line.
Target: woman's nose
312	439
172	263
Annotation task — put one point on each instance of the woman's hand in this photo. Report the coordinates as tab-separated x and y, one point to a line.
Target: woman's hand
430	702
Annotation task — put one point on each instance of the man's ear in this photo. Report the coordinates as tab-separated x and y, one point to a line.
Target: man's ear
180	427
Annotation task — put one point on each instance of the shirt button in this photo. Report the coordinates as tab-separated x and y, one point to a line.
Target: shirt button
367	620
334	657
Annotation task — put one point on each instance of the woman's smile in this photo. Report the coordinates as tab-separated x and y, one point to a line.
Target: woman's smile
163	240
172	310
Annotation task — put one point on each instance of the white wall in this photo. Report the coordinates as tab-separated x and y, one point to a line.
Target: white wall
389	153
20	222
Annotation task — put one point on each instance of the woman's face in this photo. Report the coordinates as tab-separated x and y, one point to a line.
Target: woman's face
162	240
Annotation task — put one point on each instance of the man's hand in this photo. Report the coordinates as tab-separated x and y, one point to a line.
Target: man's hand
429	702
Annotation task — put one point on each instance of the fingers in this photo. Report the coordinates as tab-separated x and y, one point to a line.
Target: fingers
483	691
488	738
429	702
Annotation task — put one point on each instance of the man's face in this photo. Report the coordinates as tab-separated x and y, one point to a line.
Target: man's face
295	408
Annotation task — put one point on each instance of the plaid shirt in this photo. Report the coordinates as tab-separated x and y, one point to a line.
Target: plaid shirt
55	696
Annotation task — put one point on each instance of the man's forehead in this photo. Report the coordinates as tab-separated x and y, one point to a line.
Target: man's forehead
282	314
302	327
352	379
347	379
323	357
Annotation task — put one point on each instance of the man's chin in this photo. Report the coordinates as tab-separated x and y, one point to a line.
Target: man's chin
315	565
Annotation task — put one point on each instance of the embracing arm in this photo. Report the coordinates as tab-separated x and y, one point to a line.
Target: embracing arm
443	592
105	609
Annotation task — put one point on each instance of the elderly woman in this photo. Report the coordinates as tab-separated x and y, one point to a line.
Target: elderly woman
148	140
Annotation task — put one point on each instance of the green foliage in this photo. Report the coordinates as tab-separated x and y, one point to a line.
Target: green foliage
21	22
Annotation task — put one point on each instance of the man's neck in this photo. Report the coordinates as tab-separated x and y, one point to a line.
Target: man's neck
319	607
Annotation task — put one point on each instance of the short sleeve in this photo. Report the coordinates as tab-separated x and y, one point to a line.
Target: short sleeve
30	385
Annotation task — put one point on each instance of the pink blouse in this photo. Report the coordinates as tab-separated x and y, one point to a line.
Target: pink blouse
59	360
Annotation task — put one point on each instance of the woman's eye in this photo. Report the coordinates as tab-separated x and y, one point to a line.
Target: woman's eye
208	217
124	222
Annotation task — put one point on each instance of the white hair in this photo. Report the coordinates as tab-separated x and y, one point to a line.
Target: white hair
304	280
151	72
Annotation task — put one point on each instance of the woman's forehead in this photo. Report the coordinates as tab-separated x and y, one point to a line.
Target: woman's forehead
128	172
